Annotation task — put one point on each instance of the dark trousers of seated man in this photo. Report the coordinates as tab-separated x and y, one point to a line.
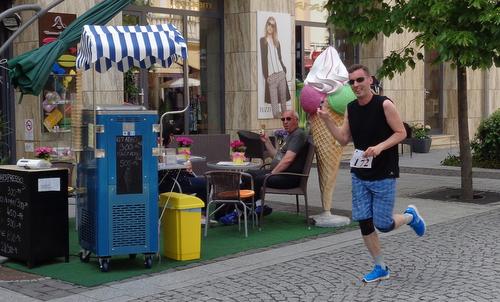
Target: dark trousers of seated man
276	181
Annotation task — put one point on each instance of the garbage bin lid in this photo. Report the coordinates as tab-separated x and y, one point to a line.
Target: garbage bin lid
179	201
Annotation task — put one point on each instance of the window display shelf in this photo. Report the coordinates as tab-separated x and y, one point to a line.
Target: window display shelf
58	95
56	101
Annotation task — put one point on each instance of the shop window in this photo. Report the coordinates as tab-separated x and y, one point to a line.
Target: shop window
166	86
189	5
311	10
433	104
199	82
312	40
313	35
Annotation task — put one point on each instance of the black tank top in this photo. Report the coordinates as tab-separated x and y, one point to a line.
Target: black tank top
369	127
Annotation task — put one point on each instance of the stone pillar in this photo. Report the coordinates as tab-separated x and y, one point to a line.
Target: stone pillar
240	56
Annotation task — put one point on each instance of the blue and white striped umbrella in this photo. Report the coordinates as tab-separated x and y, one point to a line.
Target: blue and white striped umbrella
128	46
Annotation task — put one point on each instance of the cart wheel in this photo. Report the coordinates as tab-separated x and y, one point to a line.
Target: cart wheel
104	264
132	256
84	256
148	261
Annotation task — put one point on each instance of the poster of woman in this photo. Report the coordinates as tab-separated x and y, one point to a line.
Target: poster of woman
274	67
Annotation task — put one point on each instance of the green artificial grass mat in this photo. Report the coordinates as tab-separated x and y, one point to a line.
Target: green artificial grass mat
279	227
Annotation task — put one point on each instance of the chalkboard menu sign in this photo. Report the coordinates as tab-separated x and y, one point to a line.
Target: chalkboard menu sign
33	214
12	205
129	164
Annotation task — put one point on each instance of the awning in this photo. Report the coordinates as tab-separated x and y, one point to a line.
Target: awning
127	46
179	83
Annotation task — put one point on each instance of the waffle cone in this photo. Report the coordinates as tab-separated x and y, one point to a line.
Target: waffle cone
328	155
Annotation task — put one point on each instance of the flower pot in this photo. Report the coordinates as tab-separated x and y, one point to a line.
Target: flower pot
186	151
422	145
238	157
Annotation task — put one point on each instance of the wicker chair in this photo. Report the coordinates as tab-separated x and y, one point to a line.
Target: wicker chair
301	189
224	187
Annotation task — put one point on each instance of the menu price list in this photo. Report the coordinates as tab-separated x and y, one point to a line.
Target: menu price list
33	222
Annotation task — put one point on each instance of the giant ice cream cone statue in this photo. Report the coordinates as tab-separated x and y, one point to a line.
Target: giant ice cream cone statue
328	154
325	83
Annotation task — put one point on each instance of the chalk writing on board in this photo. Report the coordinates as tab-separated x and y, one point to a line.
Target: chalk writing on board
8	249
13	191
16	202
12	179
33	222
12	212
129	164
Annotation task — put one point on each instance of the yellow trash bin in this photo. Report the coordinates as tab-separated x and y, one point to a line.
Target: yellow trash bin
181	226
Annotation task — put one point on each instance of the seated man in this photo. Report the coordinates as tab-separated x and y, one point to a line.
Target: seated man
285	158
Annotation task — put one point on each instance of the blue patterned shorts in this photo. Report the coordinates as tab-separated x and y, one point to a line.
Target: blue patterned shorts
374	199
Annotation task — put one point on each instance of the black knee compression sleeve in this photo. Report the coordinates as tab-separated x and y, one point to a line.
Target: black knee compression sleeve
366	226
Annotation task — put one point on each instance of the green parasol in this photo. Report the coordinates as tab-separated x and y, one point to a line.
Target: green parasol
30	70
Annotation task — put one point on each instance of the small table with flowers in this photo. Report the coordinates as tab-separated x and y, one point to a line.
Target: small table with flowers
173	170
229	165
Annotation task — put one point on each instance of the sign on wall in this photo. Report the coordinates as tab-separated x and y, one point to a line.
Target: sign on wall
274	68
50	27
28	129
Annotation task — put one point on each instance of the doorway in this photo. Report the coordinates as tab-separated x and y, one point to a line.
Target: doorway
433	94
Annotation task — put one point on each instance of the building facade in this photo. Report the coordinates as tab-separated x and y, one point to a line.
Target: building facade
223	79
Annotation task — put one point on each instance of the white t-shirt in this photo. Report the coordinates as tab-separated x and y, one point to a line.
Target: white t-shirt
273	61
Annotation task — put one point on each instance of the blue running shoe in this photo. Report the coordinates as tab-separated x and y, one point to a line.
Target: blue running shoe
267	210
417	223
377	274
229	219
258	209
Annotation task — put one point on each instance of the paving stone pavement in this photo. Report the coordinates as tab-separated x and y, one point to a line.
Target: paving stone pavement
458	260
455	261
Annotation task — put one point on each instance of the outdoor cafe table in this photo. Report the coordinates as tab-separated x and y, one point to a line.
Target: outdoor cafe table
180	163
173	170
228	165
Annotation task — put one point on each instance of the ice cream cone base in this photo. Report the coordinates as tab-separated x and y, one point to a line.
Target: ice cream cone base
328	155
328	220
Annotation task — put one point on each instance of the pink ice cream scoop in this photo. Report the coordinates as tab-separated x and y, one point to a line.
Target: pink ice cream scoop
310	99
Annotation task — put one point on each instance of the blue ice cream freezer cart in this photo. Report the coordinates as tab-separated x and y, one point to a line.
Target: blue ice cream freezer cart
118	210
117	164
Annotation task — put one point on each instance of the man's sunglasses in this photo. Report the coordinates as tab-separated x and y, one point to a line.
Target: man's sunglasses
286	119
358	80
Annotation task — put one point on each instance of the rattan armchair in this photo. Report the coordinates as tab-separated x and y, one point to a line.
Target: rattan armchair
224	187
301	189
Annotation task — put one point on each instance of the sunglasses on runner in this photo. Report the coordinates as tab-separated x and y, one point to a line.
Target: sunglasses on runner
286	118
358	80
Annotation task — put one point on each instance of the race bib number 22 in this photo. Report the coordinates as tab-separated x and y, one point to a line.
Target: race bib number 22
359	161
